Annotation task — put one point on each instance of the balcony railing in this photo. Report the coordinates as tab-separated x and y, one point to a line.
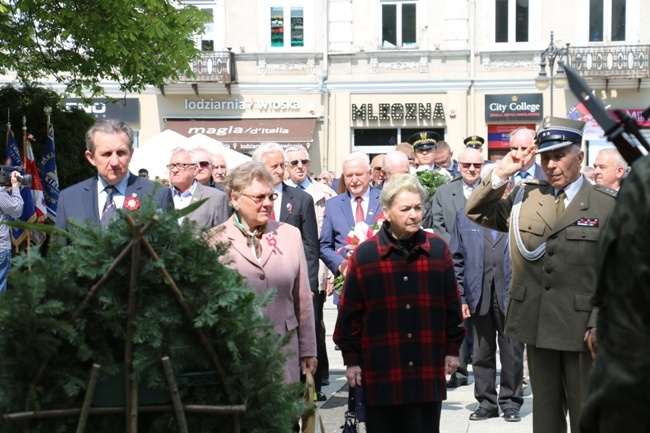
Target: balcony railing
619	61
213	67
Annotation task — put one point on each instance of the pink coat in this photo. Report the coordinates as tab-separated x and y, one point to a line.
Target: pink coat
283	269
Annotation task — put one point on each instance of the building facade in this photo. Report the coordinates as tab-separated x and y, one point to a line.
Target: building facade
344	75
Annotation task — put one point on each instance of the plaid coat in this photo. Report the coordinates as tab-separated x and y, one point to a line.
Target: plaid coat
399	317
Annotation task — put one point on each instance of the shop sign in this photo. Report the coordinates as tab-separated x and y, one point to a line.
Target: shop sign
125	109
398	111
499	135
240	104
513	107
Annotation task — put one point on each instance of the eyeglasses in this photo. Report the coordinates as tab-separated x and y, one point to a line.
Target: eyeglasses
261	197
318	179
467	165
204	164
376	168
301	161
179	166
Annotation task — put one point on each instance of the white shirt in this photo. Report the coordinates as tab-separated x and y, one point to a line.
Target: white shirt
364	203
118	196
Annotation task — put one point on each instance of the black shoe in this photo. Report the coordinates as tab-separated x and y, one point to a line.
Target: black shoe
511	415
455	382
320	396
482	414
325	382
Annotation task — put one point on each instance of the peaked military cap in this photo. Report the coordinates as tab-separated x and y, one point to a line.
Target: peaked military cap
557	133
474	141
424	140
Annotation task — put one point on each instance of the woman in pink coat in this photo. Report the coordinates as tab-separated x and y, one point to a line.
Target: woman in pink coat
270	255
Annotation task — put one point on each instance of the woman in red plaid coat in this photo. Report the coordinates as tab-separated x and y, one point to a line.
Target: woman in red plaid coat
399	317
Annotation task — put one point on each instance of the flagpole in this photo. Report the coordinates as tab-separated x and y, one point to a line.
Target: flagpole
24	157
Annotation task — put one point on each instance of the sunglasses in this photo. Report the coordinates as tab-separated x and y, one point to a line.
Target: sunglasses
204	164
467	165
295	162
318	179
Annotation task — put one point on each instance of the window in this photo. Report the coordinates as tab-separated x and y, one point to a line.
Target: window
287	26
385	140
398	25
512	21
607	20
207	37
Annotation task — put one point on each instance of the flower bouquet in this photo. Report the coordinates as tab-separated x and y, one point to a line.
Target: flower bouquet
432	179
359	233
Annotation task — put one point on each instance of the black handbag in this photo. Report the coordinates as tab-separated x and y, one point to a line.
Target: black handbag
355	420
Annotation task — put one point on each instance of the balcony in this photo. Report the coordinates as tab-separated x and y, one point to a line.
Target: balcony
213	67
618	61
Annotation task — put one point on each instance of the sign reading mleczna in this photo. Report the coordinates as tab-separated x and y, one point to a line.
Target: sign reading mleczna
398	111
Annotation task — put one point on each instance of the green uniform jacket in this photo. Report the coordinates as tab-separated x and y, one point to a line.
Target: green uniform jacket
550	298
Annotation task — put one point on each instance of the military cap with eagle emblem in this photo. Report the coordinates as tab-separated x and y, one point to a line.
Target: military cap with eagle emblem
474	141
557	133
424	140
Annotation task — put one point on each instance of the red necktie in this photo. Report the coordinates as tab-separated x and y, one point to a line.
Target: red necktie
359	215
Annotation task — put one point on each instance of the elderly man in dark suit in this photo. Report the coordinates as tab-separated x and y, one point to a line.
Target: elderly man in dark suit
483	270
293	206
441	216
554	231
186	189
109	147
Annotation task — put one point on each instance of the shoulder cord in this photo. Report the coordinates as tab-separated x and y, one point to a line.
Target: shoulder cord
531	256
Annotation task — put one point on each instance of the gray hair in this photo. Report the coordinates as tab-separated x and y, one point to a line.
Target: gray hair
194	159
399	183
260	152
110	127
617	159
295	148
358	156
203	149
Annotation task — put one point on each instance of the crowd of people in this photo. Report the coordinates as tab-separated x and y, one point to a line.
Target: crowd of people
501	259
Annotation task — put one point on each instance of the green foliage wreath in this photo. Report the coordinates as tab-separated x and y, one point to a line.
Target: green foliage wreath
38	323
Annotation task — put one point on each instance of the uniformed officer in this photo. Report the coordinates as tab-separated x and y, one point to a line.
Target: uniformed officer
554	229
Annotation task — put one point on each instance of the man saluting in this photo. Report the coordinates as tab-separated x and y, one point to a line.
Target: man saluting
554	229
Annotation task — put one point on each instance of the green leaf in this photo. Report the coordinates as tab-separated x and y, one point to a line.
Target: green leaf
43	228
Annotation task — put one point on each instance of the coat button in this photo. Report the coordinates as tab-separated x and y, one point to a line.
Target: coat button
549	270
550	253
409	335
408	306
547	288
583	235
410	363
262	277
406	278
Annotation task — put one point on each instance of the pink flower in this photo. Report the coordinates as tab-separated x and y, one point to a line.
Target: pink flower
289	207
273	243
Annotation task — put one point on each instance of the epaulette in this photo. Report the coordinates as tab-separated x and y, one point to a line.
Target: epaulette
535	182
610	192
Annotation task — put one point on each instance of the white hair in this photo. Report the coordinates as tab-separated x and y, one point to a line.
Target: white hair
260	152
358	156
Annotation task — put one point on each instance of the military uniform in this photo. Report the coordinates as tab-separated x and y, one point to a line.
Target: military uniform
550	298
618	396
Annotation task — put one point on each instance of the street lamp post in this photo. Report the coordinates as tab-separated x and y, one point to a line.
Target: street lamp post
549	56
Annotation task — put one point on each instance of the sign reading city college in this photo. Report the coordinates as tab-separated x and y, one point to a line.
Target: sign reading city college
525	107
124	109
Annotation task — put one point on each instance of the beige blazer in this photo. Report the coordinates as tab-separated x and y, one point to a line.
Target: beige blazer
285	270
